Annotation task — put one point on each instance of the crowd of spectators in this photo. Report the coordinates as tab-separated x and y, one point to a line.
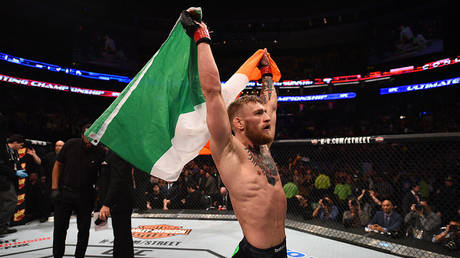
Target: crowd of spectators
413	206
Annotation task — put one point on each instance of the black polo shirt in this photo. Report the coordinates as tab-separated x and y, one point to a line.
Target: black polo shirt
81	164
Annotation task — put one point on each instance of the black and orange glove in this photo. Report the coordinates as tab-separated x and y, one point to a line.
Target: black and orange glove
192	23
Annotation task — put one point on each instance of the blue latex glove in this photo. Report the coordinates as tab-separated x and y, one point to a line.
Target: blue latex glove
21	173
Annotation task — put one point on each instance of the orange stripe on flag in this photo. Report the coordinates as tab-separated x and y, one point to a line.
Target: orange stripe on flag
206	150
249	68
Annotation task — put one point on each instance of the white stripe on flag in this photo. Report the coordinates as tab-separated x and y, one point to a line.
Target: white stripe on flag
192	133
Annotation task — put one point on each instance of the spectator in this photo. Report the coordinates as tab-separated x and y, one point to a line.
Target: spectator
186	175
425	187
290	191
223	200
304	207
384	188
155	198
366	202
193	198
210	187
342	191
322	184
171	193
141	183
357	185
446	198
421	221
411	197
355	216
36	206
406	36
386	220
376	201
449	237
199	177
326	210
307	183
47	164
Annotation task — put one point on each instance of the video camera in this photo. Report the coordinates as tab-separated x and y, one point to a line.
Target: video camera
453	228
419	207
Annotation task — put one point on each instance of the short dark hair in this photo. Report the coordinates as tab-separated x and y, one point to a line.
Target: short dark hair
236	105
84	127
16	138
191	184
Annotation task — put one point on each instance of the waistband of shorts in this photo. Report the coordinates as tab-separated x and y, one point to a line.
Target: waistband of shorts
272	250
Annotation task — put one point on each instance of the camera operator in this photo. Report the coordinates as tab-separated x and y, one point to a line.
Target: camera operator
450	236
421	221
10	171
355	216
326	210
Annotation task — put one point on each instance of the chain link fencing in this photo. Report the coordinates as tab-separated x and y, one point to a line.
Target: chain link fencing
340	188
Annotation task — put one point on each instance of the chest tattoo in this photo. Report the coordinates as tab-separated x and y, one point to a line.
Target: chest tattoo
261	158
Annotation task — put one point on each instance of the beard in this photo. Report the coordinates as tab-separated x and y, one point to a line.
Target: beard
258	136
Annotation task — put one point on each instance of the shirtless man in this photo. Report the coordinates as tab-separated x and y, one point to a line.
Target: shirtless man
243	157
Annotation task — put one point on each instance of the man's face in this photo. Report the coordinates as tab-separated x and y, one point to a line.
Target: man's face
58	146
223	190
86	140
387	206
156	189
257	124
16	145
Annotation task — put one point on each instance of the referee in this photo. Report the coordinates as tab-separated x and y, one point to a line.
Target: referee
74	176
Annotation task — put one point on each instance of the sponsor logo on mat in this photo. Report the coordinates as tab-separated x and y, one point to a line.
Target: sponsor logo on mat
158	231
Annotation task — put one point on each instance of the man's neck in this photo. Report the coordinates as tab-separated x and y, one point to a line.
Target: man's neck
243	139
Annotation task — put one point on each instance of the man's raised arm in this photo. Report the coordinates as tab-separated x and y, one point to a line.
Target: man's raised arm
216	117
268	91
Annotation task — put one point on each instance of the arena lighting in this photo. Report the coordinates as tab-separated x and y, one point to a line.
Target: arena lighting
59	87
420	86
105	93
286	84
333	96
56	68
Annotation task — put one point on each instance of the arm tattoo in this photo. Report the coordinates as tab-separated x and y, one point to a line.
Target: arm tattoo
267	89
260	157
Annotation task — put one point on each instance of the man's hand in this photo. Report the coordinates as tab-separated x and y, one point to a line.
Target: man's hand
321	203
377	227
194	27
21	173
264	65
55	195
31	152
104	212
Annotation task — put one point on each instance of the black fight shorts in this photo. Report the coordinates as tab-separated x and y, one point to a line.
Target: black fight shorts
246	250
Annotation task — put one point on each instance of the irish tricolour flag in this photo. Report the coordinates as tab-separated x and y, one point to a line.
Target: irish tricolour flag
158	123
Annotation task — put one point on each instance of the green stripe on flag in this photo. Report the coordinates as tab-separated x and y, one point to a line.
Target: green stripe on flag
141	122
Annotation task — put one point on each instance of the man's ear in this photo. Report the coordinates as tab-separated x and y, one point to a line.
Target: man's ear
238	123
